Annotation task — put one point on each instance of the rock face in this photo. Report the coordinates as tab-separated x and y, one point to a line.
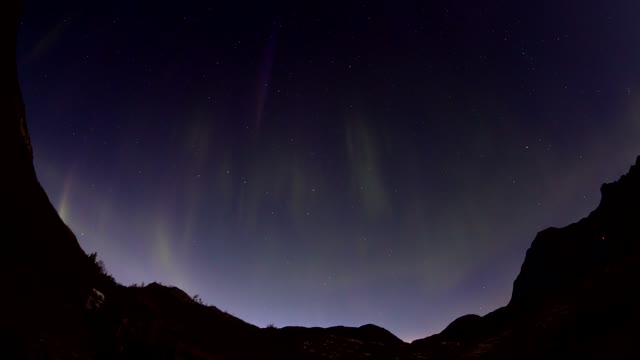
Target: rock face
562	260
43	270
575	295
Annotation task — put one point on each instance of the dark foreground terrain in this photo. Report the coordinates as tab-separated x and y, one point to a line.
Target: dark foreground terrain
575	296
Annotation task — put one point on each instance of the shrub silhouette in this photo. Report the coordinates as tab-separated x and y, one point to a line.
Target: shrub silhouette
102	277
198	299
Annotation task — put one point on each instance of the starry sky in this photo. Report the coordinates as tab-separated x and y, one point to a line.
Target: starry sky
319	163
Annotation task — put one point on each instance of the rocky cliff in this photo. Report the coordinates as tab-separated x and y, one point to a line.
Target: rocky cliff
43	269
575	295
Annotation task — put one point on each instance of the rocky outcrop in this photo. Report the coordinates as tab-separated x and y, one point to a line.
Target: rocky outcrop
43	270
575	294
35	236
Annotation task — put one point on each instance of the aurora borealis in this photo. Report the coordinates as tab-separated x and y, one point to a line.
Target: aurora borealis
328	164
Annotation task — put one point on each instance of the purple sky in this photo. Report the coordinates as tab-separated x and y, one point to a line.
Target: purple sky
329	165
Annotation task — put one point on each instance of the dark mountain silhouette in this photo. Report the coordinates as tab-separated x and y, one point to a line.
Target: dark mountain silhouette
44	272
575	296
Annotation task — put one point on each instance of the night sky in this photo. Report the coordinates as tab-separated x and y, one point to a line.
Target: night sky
320	164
